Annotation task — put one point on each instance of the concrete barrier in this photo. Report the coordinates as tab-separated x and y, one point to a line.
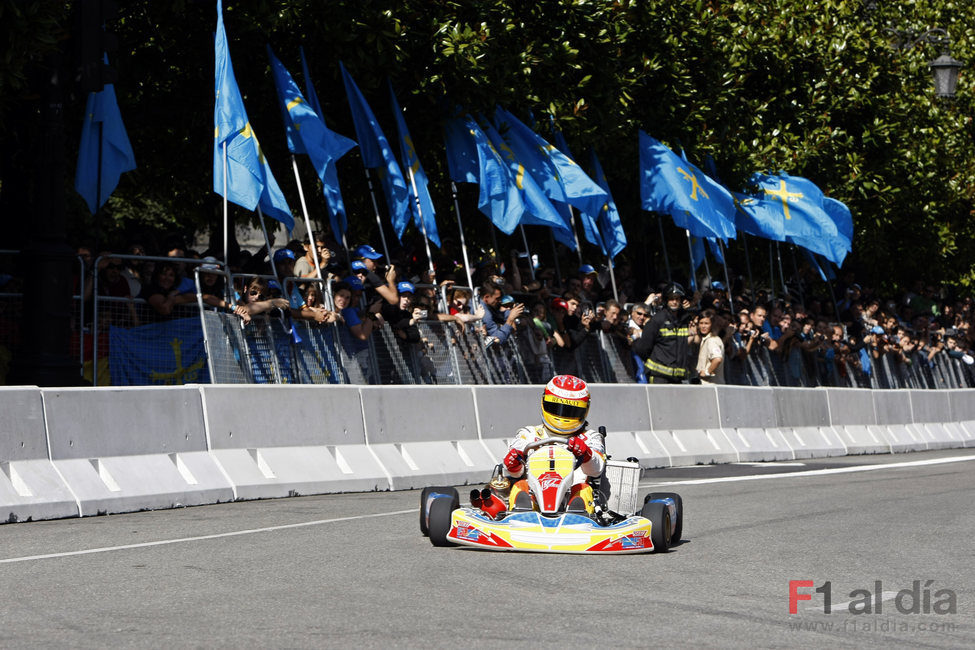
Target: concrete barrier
278	441
425	435
931	409
125	449
30	486
686	424
851	412
962	403
803	418
625	412
502	410
748	418
894	417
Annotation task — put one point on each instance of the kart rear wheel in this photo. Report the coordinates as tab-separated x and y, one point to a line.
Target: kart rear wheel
425	502
440	514
679	524
659	515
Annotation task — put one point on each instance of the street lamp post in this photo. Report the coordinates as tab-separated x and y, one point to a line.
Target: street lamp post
944	69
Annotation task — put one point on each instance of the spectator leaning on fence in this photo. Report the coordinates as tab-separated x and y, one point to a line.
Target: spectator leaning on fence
257	300
376	286
162	292
498	325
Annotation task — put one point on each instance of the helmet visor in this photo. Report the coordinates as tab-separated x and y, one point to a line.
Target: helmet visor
564	408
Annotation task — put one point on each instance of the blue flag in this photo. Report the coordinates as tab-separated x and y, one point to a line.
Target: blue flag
673	186
161	354
308	134
610	226
376	153
805	220
697	252
419	184
538	210
462	151
104	140
310	93
499	197
588	220
842	217
249	179
758	216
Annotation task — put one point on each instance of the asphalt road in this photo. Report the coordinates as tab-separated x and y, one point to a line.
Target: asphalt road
354	570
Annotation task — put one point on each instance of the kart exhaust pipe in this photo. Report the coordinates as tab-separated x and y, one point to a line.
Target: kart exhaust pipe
476	498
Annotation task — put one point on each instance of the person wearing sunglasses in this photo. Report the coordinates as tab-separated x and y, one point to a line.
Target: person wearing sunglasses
256	300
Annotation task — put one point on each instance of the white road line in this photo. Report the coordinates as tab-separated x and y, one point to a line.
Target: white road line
163	542
815	472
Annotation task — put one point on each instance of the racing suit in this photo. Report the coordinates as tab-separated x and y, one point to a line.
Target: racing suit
663	346
591	468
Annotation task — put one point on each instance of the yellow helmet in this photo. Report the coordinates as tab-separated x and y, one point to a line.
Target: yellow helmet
565	405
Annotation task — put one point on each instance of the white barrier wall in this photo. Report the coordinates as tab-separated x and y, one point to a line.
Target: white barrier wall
83	451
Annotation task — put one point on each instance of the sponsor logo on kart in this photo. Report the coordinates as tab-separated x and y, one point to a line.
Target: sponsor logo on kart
548	481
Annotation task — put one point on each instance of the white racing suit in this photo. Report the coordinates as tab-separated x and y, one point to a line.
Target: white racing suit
591	468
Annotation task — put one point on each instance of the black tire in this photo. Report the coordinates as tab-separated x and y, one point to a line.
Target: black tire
679	524
424	506
440	513
659	515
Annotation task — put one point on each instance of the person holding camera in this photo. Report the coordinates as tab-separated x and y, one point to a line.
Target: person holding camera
305	267
375	286
498	325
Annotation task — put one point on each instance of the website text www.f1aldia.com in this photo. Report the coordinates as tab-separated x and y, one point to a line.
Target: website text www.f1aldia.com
874	625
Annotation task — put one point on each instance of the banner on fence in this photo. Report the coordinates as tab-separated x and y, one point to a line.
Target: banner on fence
161	354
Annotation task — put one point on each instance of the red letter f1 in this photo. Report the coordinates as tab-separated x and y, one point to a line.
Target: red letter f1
795	596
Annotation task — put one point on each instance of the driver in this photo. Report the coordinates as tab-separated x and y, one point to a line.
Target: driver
565	404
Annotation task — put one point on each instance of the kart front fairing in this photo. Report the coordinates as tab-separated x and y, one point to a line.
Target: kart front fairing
561	533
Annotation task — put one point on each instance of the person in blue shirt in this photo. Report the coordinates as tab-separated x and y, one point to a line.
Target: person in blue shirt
498	325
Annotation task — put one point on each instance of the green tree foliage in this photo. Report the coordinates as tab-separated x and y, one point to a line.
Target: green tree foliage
814	89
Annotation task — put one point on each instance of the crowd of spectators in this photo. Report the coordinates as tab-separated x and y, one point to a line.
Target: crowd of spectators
732	336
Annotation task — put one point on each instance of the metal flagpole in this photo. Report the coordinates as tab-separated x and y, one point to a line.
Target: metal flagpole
463	244
785	289
375	207
267	242
771	272
304	211
690	251
707	267
612	277
663	245
727	283
423	226
748	263
225	218
795	268
531	267
572	224
555	257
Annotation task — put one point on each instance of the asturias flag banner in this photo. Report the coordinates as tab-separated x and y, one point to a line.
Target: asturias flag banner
161	354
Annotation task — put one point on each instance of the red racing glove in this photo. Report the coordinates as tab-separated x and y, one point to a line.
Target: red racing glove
514	461
579	447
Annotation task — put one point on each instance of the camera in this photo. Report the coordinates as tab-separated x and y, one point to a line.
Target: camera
422	313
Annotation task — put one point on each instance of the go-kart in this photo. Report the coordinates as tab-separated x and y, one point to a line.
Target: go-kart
554	522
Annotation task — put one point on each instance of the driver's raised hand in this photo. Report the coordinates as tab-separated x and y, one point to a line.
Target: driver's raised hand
515	461
579	448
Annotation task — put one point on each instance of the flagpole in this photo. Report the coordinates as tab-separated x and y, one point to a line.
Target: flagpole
663	245
304	211
98	197
771	272
690	250
423	226
463	244
612	277
727	283
375	207
267	242
572	224
785	289
531	267
707	267
555	257
748	263
795	268
225	217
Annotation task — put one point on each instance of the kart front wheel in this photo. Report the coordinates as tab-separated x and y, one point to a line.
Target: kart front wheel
427	497
659	515
679	519
440	515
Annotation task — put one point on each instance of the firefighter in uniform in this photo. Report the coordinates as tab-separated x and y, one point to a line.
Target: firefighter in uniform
663	344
